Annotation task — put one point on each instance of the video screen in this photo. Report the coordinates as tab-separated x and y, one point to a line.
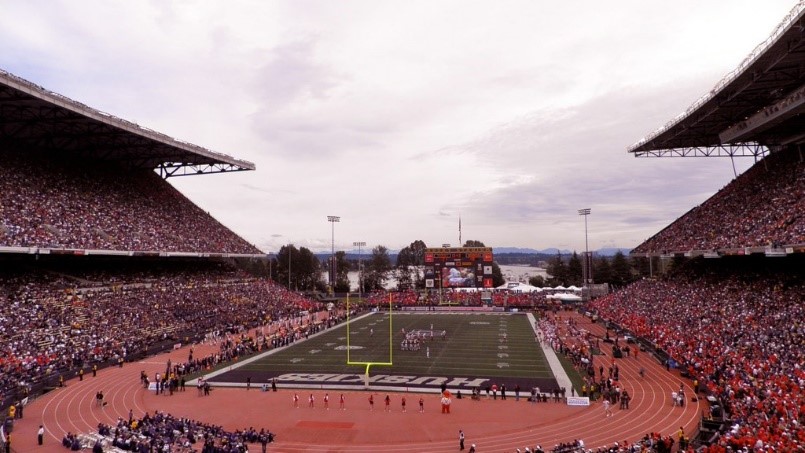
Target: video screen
458	277
461	267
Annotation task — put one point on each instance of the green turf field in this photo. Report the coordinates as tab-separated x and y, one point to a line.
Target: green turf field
497	348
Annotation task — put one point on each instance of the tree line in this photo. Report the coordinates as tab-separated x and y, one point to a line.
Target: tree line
300	270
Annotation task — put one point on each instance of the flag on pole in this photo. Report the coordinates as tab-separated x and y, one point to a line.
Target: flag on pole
459	230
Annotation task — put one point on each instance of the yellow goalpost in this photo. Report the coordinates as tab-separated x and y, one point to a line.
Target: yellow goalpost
391	344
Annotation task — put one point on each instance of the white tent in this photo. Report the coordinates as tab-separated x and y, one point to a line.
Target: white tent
573	288
528	289
560	288
567	297
519	287
466	290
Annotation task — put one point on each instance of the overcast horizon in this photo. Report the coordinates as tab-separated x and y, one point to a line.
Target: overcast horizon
402	118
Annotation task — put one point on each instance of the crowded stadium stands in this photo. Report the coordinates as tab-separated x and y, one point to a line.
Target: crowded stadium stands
736	326
53	323
763	207
57	201
165	432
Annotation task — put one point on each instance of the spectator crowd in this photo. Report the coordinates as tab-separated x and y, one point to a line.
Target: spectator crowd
739	333
52	202
164	432
765	206
49	326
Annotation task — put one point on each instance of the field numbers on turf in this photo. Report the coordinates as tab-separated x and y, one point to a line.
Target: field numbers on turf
296	360
314	351
503	364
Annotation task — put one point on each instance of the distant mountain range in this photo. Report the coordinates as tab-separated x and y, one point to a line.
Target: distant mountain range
606	251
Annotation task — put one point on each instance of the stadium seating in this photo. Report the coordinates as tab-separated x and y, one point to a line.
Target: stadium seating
53	202
54	323
765	206
165	432
740	333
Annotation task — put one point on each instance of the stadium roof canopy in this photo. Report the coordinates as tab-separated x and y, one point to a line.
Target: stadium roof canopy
756	108
31	115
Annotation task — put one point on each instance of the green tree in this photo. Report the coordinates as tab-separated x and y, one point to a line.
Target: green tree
297	269
641	265
574	271
283	270
259	267
473	243
537	281
557	270
621	270
497	275
404	277
602	271
412	255
410	259
342	272
307	270
375	272
645	266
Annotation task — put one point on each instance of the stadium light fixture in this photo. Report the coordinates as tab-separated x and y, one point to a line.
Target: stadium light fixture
289	266
332	219
586	269
360	267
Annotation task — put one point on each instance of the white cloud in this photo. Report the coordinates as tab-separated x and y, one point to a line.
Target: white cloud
398	116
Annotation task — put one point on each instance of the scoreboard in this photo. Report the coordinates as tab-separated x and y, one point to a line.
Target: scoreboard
458	267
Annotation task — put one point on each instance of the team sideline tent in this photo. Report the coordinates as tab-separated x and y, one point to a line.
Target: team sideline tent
565	297
519	287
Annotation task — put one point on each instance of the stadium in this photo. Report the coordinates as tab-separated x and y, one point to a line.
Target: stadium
118	292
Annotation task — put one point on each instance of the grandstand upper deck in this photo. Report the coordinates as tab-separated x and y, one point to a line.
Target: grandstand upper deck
32	116
756	108
761	211
50	203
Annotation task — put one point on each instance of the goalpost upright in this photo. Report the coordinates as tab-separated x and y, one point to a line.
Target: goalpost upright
391	344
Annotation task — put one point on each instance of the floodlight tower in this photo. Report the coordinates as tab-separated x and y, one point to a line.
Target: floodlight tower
360	268
586	270
289	266
332	219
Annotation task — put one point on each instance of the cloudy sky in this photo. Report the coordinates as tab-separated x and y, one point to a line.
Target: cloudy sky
401	116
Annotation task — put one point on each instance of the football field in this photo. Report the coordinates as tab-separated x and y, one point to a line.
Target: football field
460	350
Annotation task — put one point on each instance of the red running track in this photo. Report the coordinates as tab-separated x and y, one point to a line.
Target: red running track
493	425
